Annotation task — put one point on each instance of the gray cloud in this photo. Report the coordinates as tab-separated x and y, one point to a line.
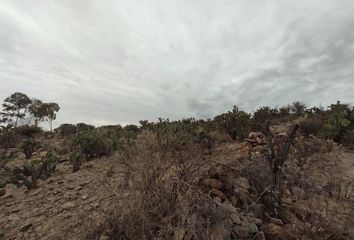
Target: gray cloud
122	61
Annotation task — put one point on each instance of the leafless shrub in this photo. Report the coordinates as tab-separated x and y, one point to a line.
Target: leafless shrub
158	198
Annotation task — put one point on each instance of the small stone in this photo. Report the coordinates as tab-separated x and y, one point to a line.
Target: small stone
242	231
25	227
68	205
6	196
277	221
235	219
227	205
84	197
236	201
218	193
179	234
219	232
241	182
2	192
214	183
14	217
252	228
260	236
104	237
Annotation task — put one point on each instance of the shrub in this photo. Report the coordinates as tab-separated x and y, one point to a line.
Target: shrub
348	139
66	129
76	159
28	131
96	143
166	183
82	127
312	126
37	168
8	137
29	147
337	121
236	123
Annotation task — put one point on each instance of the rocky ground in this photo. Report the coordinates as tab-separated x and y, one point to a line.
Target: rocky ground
63	206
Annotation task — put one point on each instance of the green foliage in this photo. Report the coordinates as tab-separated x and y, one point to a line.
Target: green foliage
49	111
66	129
298	108
28	131
14	107
264	114
130	131
38	168
82	127
313	125
96	143
76	159
37	111
236	123
337	120
29	147
7	137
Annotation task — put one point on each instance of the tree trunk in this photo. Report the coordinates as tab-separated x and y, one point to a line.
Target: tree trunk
50	125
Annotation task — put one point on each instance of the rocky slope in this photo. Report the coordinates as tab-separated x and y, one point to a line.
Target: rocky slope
317	195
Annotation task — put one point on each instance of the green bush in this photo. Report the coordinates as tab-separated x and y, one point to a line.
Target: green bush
236	123
8	137
96	143
28	131
312	126
82	127
76	160
29	147
337	121
66	129
37	168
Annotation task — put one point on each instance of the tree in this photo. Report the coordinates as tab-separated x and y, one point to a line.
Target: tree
276	160
298	108
15	107
50	110
264	114
236	123
37	110
284	111
337	120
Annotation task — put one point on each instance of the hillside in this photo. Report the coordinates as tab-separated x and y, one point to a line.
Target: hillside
223	195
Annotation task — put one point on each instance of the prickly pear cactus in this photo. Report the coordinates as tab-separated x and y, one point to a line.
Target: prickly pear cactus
76	159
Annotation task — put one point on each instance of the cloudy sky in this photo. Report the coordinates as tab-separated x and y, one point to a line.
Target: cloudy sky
120	61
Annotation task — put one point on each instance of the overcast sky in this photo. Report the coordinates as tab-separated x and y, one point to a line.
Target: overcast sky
120	61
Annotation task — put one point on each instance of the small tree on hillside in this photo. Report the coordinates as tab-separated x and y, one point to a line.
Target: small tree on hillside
337	120
50	110
236	123
298	108
37	111
264	114
15	107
